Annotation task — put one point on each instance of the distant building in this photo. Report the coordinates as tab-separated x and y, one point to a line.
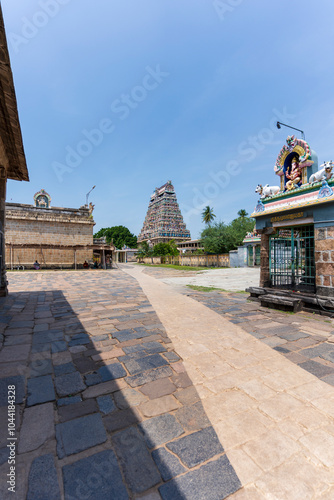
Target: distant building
190	246
163	221
56	237
12	158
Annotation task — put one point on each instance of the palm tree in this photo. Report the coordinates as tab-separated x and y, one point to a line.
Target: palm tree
242	213
208	215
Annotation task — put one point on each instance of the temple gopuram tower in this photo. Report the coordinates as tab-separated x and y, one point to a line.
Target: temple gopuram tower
164	221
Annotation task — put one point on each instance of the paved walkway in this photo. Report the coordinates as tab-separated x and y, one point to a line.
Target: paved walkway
108	409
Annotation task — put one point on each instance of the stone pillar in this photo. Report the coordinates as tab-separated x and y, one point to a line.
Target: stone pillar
3	277
264	272
324	260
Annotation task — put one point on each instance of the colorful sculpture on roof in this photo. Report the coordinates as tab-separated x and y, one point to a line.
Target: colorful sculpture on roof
42	199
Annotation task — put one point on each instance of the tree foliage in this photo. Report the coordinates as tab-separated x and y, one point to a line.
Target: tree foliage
120	235
208	215
161	249
221	237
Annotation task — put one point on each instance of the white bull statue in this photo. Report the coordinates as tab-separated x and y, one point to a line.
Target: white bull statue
325	173
266	190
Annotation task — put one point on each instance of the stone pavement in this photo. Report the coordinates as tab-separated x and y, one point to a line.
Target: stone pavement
127	389
104	407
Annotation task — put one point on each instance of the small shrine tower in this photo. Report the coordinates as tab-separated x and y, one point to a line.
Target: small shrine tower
163	221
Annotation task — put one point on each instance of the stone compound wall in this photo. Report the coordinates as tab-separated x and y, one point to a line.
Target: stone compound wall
324	260
67	228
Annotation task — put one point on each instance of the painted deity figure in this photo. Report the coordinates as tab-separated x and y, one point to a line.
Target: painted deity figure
294	175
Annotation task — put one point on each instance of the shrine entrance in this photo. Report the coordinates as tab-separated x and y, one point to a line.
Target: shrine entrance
291	258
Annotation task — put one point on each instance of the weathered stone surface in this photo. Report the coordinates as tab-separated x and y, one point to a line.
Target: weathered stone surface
181	380
43	480
148	347
172	356
71	383
76	410
139	365
105	388
19	383
14	353
159	406
64	368
193	417
213	481
149	376
128	397
161	429
84	365
40	390
196	448
41	367
139	469
92	379
79	434
121	419
158	388
37	427
106	404
187	396
98	476
68	401
317	369
58	346
169	465
112	372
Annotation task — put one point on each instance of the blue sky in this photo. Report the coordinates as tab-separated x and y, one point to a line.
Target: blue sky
126	95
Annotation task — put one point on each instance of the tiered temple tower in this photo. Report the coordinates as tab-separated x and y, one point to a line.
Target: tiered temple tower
164	221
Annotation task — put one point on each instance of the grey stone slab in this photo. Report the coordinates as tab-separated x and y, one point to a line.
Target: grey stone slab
329	379
197	447
159	430
97	477
172	356
85	365
47	336
293	336
19	383
127	398
169	465
68	401
93	379
149	347
40	390
106	404
125	335
79	434
213	481
22	324
70	383
64	368
316	369
43	481
17	340
14	353
41	348
319	350
37	427
139	469
41	367
69	412
121	419
135	366
58	346
79	340
112	372
149	376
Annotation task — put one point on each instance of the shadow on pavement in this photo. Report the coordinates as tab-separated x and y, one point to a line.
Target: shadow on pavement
104	407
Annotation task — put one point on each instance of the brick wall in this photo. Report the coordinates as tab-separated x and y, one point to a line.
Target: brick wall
324	260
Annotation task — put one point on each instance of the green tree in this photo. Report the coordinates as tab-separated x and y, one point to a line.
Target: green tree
221	238
208	215
120	235
161	249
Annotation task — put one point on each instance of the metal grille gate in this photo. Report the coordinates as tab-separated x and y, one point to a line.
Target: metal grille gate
291	259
